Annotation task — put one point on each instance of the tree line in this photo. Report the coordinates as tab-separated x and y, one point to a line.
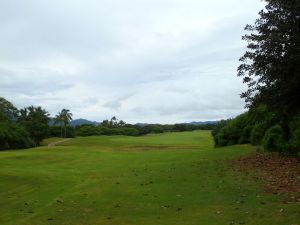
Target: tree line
27	127
271	69
119	127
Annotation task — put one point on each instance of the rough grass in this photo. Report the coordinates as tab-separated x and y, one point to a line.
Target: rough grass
167	179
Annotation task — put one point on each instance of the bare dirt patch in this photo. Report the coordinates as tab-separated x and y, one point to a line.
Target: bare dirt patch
58	142
279	174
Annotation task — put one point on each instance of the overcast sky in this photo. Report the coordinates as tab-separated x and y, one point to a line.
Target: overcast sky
153	61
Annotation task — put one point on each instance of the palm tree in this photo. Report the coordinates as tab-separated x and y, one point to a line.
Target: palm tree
113	121
64	117
67	117
58	119
121	123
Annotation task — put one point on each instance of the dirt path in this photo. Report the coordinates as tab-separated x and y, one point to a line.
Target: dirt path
58	142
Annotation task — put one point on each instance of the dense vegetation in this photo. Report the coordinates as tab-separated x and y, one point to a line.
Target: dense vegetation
119	127
27	127
21	128
271	69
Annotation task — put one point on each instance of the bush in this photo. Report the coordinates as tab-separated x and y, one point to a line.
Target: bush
91	130
88	130
273	140
294	143
219	126
257	134
13	136
245	138
130	132
232	132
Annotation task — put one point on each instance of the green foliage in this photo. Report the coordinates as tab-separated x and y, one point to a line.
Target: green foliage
218	127
130	132
259	126
188	127
294	143
119	127
92	130
261	114
156	129
35	120
249	127
233	131
56	131
273	140
257	133
63	118
113	123
246	133
8	112
14	136
89	130
271	65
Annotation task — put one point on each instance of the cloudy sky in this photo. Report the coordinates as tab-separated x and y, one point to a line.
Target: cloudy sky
160	61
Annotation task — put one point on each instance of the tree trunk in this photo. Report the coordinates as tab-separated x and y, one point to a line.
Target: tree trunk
61	130
65	130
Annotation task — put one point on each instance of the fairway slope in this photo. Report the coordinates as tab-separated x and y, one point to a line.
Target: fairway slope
167	179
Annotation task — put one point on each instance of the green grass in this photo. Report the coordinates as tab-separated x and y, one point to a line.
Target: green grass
165	179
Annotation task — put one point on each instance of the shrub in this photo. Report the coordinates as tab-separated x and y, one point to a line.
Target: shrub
257	134
13	136
232	132
91	130
245	138
88	130
294	143
273	139
130	132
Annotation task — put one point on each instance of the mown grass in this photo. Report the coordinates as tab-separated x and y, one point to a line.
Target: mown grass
167	179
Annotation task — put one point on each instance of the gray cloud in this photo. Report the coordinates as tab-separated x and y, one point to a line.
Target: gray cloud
143	61
116	104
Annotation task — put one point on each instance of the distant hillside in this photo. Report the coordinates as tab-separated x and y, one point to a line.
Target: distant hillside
192	123
78	122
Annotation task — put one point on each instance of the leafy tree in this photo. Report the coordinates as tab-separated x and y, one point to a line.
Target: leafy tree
121	123
233	131
14	136
271	65
216	129
35	120
113	122
7	110
105	123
